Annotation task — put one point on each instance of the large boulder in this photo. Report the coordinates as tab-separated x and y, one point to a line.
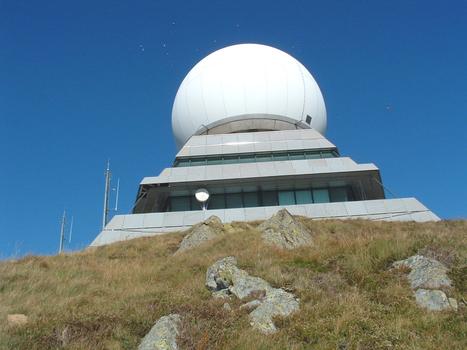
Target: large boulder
199	233
225	277
284	231
163	335
434	300
425	272
428	278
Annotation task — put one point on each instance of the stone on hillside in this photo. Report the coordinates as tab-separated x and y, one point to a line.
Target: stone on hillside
163	335
199	233
17	319
427	277
425	272
434	300
277	303
224	275
284	231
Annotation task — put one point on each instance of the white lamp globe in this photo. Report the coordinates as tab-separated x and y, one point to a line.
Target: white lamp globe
247	87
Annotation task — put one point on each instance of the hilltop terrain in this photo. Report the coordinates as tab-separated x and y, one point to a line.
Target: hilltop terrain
109	297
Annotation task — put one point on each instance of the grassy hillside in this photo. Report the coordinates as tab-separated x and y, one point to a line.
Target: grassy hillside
109	297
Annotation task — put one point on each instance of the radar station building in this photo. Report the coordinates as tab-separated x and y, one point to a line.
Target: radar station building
249	121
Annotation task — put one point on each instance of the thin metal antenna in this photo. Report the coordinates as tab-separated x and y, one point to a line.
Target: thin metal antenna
106	195
116	195
71	230
62	232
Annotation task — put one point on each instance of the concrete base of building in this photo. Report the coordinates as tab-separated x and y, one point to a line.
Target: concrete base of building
125	227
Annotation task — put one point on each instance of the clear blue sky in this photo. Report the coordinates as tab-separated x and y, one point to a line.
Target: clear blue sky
83	81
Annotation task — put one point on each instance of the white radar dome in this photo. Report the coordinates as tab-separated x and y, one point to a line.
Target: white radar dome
247	87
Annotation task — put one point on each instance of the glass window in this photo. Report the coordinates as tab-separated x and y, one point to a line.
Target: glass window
214	160
281	156
327	154
264	157
286	197
247	158
179	203
183	162
216	201
250	199
338	194
296	155
321	195
303	196
233	200
269	198
230	159
312	155
198	161
195	205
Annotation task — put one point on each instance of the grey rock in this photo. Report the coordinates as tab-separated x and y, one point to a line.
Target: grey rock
163	335
277	303
427	277
224	275
425	272
218	274
221	294
251	305
200	233
284	231
433	300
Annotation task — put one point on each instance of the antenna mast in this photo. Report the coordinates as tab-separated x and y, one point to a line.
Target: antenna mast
106	195
62	233
116	195
71	230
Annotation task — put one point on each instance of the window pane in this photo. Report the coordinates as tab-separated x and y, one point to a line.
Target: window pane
269	198
179	203
281	156
213	161
230	159
195	205
286	197
296	155
216	201
233	200
327	154
338	194
183	162
303	197
321	195
197	161
247	158
312	155
263	157
250	199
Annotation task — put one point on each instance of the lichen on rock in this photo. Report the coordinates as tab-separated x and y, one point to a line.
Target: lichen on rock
200	233
429	280
284	231
224	276
163	335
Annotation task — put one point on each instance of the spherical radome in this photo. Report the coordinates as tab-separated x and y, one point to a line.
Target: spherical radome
247	87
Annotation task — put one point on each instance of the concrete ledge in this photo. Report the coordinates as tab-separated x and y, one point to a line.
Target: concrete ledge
124	227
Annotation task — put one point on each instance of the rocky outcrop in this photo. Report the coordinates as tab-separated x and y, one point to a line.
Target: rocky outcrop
224	276
200	233
284	231
163	335
429	280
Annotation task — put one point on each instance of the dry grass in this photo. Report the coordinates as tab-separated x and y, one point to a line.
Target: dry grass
109	297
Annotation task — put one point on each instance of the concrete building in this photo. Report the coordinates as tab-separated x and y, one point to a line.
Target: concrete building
249	120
